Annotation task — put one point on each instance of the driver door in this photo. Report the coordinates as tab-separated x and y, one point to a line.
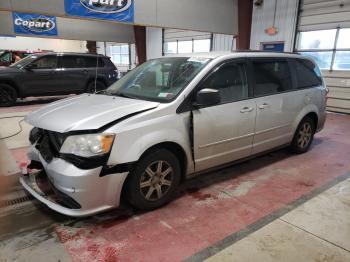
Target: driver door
224	132
42	79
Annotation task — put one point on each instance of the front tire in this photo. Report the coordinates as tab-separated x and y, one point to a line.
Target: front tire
304	136
8	95
154	180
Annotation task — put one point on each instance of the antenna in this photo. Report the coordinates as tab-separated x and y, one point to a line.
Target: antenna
96	73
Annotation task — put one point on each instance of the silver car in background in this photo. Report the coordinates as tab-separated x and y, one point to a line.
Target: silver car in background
169	119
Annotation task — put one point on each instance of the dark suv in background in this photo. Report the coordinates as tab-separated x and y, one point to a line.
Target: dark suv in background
55	74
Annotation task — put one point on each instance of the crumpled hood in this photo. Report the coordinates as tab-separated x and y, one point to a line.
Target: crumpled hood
85	112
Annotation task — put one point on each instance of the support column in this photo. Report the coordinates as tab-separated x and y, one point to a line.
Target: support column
245	13
140	43
91	46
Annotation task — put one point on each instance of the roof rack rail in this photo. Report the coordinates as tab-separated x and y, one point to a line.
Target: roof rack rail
264	51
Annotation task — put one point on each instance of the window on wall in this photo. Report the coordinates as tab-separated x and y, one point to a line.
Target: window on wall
120	54
329	48
188	46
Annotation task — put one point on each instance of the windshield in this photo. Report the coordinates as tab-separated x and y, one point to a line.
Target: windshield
25	61
159	79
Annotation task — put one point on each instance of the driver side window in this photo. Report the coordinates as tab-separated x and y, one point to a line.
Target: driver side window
47	62
231	82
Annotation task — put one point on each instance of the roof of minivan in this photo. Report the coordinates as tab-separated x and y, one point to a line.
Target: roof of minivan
213	55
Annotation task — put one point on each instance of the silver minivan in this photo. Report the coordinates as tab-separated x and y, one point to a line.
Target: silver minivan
167	120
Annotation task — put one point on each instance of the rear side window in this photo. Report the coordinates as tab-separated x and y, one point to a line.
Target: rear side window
271	77
231	82
93	62
308	74
72	62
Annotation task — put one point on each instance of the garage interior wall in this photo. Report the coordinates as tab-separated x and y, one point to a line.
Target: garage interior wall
326	15
284	19
32	44
76	29
154	42
218	16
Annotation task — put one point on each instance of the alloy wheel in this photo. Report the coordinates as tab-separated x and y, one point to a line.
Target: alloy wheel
156	180
304	135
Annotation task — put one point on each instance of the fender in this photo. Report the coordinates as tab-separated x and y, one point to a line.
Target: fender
130	145
310	108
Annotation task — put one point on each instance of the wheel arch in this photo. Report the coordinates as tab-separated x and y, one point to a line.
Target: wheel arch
174	148
12	84
310	111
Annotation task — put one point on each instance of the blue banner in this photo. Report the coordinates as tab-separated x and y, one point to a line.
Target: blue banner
116	10
32	24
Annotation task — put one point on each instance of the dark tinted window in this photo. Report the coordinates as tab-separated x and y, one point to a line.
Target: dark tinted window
308	75
72	62
92	62
271	77
231	81
46	62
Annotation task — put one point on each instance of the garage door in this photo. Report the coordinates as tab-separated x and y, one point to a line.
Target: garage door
324	33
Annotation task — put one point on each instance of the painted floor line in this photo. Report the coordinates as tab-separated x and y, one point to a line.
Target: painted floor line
231	239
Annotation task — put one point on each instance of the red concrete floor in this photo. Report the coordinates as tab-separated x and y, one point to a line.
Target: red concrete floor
216	205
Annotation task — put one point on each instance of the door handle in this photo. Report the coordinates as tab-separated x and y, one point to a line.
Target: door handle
264	105
246	109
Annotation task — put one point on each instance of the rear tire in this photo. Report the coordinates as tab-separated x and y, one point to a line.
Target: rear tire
8	95
303	136
91	87
154	180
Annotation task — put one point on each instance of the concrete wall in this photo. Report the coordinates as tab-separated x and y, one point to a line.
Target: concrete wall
285	21
42	44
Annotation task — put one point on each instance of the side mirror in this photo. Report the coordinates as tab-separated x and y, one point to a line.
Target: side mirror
207	97
31	66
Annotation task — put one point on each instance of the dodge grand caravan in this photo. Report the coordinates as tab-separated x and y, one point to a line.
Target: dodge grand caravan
167	120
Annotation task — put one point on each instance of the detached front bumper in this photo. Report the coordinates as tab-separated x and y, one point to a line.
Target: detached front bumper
77	192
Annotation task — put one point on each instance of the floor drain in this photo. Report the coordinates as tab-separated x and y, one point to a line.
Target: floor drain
12	202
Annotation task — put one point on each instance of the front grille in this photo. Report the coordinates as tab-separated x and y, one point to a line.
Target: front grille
49	144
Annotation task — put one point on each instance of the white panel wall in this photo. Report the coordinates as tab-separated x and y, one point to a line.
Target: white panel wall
224	42
154	42
262	19
42	44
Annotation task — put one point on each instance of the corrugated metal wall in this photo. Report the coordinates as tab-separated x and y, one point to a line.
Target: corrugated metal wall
319	15
285	22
